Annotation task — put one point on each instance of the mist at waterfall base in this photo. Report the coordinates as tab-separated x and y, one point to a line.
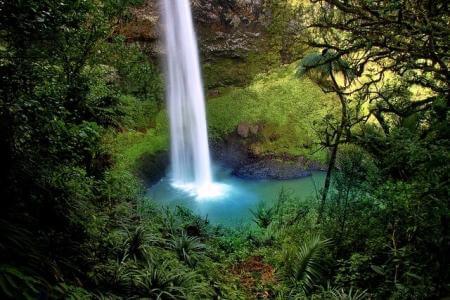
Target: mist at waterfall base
190	182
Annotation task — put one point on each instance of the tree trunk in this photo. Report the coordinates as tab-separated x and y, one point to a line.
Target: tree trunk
335	146
331	164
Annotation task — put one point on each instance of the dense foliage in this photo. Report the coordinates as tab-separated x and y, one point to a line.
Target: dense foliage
389	209
75	223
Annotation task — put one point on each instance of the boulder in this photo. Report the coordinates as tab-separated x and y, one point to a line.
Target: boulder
243	130
247	159
213	93
254	129
246	130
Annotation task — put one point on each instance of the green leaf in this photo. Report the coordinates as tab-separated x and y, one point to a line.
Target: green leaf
377	270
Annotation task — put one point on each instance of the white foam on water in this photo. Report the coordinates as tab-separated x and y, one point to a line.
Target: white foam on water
209	192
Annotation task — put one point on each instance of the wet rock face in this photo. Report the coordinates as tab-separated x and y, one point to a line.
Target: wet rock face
229	28
143	27
229	14
226	28
272	169
235	151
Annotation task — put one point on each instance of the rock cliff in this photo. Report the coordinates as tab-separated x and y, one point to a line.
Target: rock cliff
231	34
226	28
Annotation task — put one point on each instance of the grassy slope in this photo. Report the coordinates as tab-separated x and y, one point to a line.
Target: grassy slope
286	105
129	146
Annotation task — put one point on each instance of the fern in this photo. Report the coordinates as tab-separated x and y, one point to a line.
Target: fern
15	284
352	294
302	267
320	66
263	216
186	247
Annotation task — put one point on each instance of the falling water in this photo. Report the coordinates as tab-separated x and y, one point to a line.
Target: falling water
190	159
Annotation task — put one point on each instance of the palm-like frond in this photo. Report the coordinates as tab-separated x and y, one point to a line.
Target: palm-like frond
352	294
14	237
25	278
137	243
302	266
263	216
163	281
186	247
159	282
14	283
322	65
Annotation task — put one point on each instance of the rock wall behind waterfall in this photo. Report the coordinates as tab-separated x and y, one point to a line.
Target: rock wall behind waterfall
226	28
230	34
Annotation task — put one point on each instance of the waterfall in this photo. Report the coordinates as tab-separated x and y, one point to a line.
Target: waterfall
190	159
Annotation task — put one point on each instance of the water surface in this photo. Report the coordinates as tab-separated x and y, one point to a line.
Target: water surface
239	196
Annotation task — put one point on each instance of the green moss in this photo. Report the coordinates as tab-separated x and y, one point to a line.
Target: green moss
225	71
287	106
129	146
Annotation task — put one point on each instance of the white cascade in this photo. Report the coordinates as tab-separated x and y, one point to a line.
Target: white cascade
190	158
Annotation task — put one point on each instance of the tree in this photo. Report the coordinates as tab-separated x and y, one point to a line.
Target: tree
51	125
398	52
378	38
325	67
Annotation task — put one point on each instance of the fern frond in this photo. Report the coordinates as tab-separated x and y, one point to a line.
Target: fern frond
303	268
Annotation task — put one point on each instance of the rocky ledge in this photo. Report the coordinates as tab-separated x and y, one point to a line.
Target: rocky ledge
267	168
236	152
